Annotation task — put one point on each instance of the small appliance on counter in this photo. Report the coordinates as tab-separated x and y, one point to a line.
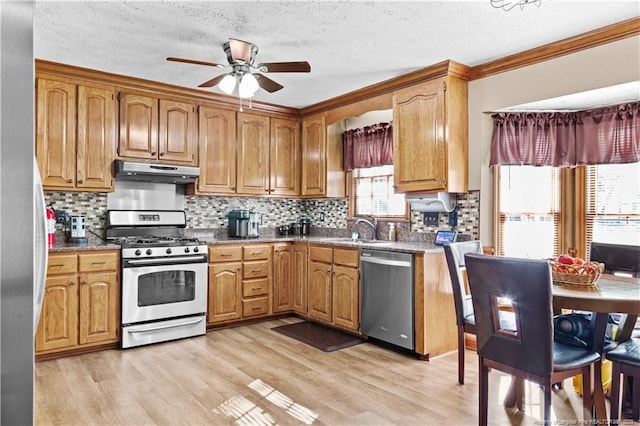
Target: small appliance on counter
75	230
305	226
244	224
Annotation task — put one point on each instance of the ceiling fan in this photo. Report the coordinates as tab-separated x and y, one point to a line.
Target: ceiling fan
244	73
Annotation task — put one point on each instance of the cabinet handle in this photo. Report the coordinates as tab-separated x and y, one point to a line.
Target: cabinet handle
225	254
56	265
72	283
256	288
97	263
257	308
84	282
256	270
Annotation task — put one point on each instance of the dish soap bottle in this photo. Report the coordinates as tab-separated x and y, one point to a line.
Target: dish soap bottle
392	232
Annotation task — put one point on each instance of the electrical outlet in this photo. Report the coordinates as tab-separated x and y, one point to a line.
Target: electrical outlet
61	216
431	219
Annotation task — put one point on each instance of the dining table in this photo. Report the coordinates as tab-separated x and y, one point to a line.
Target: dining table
610	294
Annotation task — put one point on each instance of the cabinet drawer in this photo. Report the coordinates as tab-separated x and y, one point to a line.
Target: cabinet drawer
223	253
62	264
256	252
98	262
255	288
255	269
321	254
252	307
346	257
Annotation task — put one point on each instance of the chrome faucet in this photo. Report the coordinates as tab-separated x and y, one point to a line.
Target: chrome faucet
373	223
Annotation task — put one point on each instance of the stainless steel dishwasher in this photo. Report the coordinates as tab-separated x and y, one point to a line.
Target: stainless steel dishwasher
387	297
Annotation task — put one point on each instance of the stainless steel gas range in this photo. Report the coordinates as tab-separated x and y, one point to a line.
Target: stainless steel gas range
164	276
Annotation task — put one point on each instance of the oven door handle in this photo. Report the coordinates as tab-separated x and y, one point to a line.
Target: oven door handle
166	260
147	328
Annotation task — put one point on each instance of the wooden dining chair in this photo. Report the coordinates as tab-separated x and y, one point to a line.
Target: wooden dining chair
528	352
625	360
465	320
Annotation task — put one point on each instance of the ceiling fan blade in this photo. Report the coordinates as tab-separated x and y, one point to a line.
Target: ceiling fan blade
302	66
267	84
240	50
193	61
213	81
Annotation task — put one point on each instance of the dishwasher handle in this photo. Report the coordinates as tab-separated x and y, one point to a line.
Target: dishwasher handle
390	262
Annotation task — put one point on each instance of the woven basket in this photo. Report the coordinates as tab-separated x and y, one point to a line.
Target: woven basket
583	275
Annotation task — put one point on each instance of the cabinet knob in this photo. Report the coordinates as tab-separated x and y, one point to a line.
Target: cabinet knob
161	154
80	181
84	282
153	153
69	181
72	283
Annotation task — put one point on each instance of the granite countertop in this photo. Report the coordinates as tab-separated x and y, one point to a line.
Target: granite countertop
95	243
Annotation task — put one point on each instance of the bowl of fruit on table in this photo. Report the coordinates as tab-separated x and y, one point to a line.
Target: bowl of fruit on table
566	269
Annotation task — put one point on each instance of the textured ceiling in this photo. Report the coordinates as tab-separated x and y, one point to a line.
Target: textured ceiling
348	44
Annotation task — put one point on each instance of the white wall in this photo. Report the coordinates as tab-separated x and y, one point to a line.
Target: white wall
602	66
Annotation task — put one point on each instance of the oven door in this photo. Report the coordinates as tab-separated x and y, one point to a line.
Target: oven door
161	288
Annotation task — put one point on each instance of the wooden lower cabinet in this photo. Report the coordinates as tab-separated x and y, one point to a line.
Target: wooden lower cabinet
239	282
299	278
333	291
81	302
283	275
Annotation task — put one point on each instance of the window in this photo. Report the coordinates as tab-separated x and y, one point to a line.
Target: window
528	211
372	193
613	204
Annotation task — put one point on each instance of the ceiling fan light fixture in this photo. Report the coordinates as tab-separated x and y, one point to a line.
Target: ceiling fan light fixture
248	86
228	84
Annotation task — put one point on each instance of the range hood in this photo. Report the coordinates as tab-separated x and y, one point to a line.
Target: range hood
156	173
441	202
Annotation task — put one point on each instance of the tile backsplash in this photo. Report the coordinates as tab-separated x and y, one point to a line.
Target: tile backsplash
326	214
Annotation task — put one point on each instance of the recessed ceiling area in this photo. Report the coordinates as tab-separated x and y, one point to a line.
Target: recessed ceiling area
349	44
612	95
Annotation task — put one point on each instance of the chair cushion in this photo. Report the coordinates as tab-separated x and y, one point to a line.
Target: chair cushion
627	352
566	357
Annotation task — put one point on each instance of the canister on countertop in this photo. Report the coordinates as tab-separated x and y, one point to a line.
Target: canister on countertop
294	228
305	226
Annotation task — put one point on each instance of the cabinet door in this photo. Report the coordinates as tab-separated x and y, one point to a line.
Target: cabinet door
419	144
138	127
217	140
177	132
319	291
253	154
58	325
314	153
284	159
346	298
299	279
283	278
225	292
56	133
96	138
98	308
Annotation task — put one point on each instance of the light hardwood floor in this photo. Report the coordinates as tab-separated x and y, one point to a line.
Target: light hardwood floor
250	375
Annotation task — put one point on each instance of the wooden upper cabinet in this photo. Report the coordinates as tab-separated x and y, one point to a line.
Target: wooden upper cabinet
177	138
314	153
430	136
253	154
138	126
75	135
159	130
96	137
217	151
284	159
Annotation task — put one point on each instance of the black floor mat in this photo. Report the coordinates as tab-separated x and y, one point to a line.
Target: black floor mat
319	336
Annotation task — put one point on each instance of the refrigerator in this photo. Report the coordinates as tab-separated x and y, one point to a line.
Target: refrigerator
22	249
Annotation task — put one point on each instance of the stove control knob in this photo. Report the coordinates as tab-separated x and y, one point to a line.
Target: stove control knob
137	253
196	249
186	250
149	252
168	251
